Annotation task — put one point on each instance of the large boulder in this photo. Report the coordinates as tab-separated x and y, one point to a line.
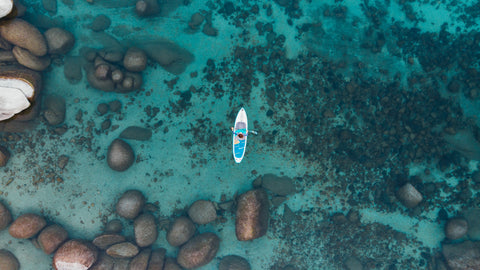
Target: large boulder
19	89
27	226
252	215
24	35
169	55
462	256
75	254
120	155
199	251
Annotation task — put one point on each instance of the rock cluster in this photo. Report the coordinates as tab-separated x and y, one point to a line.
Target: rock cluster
113	70
29	46
112	249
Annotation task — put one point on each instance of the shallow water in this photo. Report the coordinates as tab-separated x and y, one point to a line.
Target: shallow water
350	99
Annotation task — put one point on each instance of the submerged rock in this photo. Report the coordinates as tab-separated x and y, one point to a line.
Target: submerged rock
180	231
75	254
252	215
51	238
169	55
145	8
157	259
462	256
199	251
123	250
114	226
59	40
130	204
55	110
5	216
140	262
171	264
104	262
24	35
8	261
106	240
29	60
100	23
4	157
120	155
136	133
456	228
234	262
145	229
27	226
135	60
280	185
409	195
202	212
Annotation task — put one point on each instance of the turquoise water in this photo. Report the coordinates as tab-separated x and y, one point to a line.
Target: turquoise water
350	99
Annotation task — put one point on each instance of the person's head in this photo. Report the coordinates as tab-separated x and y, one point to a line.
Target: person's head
240	135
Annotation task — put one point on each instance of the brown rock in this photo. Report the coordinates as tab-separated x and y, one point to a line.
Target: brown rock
123	250
4	157
8	261
121	264
169	55
72	69
234	262
131	81
114	226
104	262
59	40
120	157
409	195
456	228
106	240
199	251
171	264
27	226
280	185
51	238
181	230
140	262
462	256
5	216
135	60
157	259
104	85
145	8
130	204
25	35
252	215
29	60
55	109
145	229
136	133
202	212
75	254
196	20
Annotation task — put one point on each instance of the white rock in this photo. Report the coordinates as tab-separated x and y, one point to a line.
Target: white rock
12	97
5	7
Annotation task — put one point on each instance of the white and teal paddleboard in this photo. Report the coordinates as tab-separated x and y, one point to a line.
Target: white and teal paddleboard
239	135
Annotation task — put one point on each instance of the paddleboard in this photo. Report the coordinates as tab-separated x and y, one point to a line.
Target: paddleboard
239	139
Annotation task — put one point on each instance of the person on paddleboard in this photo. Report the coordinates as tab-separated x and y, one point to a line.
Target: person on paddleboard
239	133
